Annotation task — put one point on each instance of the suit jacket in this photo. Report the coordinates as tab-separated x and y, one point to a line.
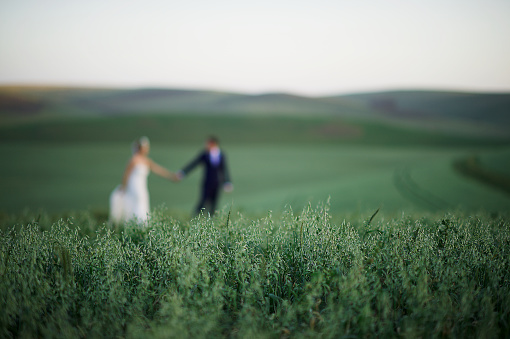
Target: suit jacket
214	175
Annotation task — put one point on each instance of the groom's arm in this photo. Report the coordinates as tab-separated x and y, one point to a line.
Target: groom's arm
191	166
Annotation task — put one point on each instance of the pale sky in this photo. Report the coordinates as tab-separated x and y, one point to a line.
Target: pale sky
315	47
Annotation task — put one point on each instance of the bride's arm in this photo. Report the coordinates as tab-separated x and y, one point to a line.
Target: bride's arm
161	171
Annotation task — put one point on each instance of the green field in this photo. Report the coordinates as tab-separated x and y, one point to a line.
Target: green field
74	163
358	179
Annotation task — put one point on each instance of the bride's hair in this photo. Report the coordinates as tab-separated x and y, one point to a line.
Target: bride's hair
138	143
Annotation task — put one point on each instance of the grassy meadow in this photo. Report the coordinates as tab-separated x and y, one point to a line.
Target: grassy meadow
346	220
359	179
74	163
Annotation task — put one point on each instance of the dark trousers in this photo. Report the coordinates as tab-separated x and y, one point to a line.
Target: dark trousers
208	199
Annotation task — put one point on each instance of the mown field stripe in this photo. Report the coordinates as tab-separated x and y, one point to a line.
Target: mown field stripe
472	167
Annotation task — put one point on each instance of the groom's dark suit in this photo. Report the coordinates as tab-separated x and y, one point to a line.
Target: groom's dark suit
215	175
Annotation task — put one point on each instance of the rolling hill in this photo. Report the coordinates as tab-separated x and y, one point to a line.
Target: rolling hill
488	107
481	114
169	101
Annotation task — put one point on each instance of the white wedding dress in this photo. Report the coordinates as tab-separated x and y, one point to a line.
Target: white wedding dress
133	202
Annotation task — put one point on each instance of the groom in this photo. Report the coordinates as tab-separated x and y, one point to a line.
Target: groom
215	174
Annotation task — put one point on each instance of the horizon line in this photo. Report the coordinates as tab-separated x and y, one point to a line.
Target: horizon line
56	86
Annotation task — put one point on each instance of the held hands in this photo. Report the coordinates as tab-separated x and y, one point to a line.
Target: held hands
179	175
176	177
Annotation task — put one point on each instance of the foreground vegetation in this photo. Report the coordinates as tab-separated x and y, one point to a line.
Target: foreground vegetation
293	275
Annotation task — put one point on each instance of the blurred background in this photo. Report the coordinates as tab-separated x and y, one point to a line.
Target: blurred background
402	106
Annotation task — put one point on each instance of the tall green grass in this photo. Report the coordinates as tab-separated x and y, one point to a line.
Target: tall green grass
292	275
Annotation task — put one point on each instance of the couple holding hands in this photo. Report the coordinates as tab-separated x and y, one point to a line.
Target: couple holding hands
130	200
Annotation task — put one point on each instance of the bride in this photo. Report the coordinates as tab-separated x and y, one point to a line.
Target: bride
130	200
